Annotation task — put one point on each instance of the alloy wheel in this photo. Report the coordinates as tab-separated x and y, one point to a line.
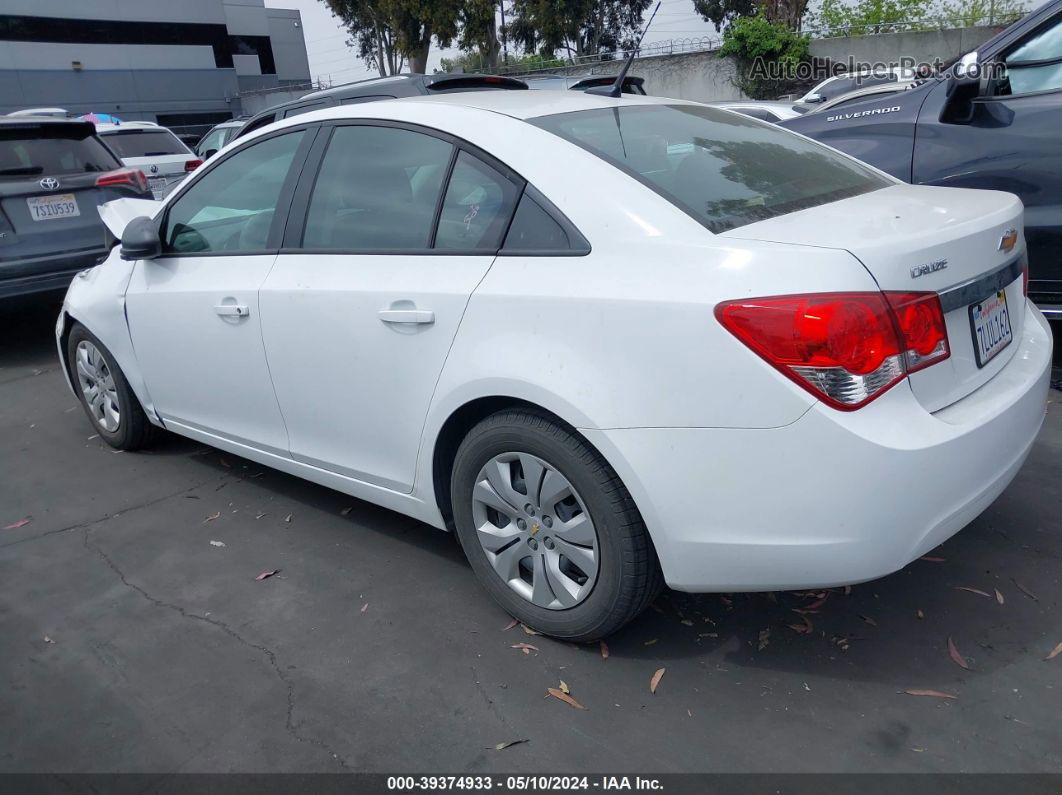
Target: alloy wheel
535	530
96	380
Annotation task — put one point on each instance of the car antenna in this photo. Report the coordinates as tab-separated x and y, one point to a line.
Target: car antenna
616	89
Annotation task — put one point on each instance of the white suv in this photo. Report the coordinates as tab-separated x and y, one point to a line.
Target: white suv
156	151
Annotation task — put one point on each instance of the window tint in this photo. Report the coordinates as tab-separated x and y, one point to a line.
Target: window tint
51	149
534	229
1025	66
145	143
377	189
477	207
231	208
721	168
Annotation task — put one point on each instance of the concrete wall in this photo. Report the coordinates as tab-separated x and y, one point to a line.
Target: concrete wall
705	77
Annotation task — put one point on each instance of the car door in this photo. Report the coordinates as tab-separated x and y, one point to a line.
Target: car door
193	312
1009	141
385	244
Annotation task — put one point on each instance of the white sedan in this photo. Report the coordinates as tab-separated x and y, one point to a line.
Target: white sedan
612	343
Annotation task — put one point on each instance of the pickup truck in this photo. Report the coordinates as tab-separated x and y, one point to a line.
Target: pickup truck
992	120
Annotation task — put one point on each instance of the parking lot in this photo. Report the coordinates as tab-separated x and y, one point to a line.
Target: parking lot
137	637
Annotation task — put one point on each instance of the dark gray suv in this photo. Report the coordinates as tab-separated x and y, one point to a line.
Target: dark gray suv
54	173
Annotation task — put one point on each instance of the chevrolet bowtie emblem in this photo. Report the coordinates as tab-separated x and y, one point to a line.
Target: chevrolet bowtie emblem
534	528
1010	237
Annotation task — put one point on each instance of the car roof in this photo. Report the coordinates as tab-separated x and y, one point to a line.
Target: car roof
526	104
36	121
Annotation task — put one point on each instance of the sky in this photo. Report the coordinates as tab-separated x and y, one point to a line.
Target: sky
332	61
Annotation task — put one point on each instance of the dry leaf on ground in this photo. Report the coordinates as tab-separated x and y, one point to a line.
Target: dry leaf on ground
288	517
953	652
1026	591
802	629
929	693
18	524
564	697
217	543
265	575
526	648
365	607
48	640
529	631
977	591
656	679
564	688
999	597
1057	650
604	650
212	517
510	625
509	744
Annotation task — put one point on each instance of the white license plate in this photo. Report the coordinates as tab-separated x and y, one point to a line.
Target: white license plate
45	208
158	186
990	324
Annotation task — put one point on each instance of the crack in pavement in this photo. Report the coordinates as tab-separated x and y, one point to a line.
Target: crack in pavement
290	725
105	517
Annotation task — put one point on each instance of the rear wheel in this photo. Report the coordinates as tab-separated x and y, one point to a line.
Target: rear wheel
104	393
549	528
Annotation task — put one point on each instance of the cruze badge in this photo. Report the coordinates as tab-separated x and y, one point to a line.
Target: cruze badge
862	113
1010	237
929	267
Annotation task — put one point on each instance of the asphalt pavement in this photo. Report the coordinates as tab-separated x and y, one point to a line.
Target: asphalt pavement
136	636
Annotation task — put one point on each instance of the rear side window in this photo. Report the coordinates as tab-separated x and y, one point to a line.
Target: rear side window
377	189
479	201
722	169
145	143
49	149
535	230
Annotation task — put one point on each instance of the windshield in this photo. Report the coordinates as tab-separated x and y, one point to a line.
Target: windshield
723	169
145	143
51	149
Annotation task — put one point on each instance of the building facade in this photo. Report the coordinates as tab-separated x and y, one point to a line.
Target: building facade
181	63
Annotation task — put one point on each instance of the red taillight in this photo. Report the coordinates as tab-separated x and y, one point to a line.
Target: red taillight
845	348
192	165
133	177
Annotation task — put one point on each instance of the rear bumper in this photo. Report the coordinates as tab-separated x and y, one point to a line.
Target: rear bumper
835	497
53	272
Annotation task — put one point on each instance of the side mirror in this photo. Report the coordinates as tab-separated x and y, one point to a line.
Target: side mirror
209	153
966	82
814	98
140	240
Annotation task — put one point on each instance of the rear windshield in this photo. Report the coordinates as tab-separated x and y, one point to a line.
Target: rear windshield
51	149
723	169
145	143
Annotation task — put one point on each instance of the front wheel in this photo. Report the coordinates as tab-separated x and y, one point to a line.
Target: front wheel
549	528
104	393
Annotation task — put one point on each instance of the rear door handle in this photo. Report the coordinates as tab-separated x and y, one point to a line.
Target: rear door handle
232	310
406	315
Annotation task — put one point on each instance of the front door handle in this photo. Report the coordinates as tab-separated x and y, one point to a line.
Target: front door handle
232	310
406	315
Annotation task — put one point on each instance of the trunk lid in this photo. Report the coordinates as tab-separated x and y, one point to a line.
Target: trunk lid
926	239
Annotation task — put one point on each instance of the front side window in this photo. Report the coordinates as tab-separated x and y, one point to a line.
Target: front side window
377	189
477	207
1036	64
723	169
231	208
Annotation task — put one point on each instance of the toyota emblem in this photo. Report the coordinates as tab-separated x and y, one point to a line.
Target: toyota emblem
49	183
154	169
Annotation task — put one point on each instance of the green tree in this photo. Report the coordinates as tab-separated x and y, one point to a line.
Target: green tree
479	31
757	43
578	27
725	12
388	33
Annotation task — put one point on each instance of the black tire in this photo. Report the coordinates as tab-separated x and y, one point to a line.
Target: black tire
134	431
628	577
